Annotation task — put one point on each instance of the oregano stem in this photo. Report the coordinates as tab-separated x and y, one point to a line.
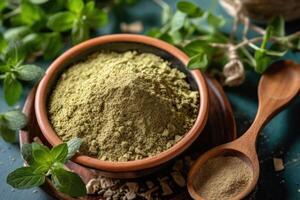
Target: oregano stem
249	56
257	29
248	41
293	36
12	13
160	3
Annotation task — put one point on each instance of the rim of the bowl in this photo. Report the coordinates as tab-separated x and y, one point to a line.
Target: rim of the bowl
179	147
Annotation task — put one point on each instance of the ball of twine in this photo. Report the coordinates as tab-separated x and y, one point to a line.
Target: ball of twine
233	71
264	9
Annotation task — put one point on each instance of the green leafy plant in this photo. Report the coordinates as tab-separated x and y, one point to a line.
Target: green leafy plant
42	25
44	162
41	28
199	33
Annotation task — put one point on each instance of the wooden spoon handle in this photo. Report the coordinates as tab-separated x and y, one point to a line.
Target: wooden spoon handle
276	89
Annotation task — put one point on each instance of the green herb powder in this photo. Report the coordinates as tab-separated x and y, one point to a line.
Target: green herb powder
125	106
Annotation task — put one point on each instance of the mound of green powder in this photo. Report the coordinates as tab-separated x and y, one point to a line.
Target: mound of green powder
125	106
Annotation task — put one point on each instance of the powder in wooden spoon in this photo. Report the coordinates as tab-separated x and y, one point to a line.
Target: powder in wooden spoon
223	178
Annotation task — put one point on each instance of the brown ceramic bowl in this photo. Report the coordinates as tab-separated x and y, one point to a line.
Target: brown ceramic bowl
121	43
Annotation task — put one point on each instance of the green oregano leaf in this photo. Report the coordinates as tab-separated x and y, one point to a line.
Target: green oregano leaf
26	151
95	18
15	120
3	5
3	43
196	46
14	54
198	61
32	41
191	9
40	168
12	89
38	1
154	32
52	45
29	72
214	20
80	32
262	61
16	33
59	153
41	154
176	37
3	69
166	37
30	14
7	134
166	13
73	147
24	178
68	182
75	6
62	21
177	21
277	26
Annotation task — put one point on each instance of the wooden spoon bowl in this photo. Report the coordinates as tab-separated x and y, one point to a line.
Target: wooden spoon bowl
277	87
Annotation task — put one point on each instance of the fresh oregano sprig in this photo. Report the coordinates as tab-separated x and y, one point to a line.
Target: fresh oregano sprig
40	24
10	122
79	18
36	28
13	71
199	34
44	162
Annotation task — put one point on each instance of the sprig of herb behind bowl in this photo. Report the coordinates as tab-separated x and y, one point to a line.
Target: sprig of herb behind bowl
199	33
44	163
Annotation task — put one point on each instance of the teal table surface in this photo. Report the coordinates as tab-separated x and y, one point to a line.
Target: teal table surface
280	138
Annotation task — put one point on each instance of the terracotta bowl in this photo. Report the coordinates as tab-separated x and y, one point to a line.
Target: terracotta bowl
121	43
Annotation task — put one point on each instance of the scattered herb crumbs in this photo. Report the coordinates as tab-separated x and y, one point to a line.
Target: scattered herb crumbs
278	164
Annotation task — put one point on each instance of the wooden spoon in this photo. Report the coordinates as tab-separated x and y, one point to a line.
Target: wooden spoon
277	87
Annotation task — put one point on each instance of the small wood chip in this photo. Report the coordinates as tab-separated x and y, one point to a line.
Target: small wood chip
106	182
93	186
148	195
166	188
133	186
178	178
130	195
149	184
135	27
108	193
278	164
178	166
165	178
